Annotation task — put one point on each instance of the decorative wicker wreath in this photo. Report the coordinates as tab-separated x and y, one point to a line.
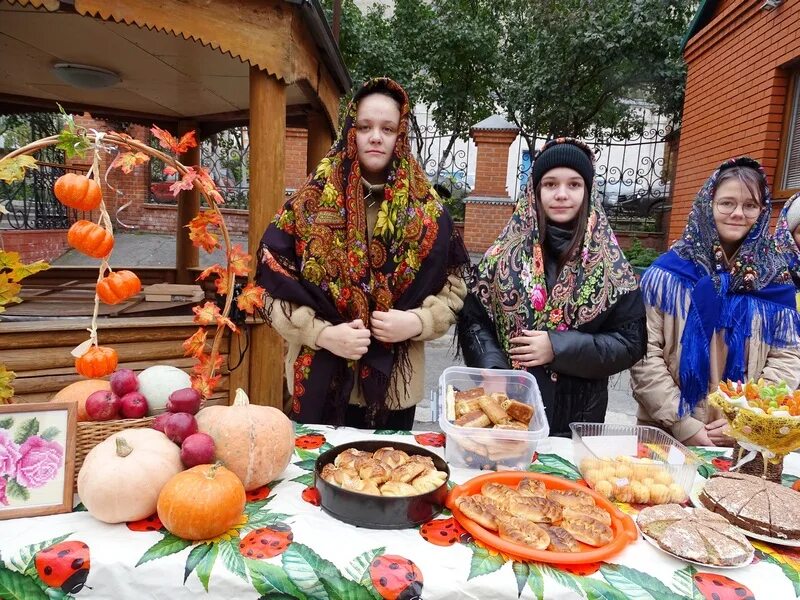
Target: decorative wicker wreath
130	153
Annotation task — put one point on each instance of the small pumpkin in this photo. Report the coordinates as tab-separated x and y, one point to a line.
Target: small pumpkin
90	238
78	192
118	286
79	391
202	502
98	361
255	442
122	476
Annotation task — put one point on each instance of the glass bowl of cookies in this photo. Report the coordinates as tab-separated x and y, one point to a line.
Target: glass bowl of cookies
635	464
381	484
493	419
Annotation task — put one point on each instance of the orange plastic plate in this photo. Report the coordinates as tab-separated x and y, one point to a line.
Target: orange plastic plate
624	528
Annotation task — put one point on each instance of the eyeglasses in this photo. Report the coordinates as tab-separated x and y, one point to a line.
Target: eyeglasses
727	207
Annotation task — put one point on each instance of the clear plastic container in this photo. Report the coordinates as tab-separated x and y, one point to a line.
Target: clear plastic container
633	463
489	448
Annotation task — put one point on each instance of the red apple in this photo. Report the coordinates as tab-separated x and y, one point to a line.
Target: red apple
160	422
184	400
180	426
102	405
124	381
197	449
133	406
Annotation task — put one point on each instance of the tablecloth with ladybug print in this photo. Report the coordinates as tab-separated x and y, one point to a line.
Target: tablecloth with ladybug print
286	547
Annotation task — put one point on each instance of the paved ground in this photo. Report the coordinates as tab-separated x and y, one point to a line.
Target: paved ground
148	249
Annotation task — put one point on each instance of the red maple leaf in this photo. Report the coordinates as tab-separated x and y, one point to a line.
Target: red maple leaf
170	171
207	185
206	314
202	364
222	282
226	322
205	384
216	268
195	345
128	161
169	142
184	183
199	234
239	261
251	298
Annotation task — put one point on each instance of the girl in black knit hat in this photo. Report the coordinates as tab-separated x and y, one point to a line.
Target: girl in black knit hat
555	295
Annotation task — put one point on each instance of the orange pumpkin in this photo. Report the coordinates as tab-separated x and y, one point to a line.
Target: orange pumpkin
98	361
78	191
202	502
255	442
118	286
91	239
79	392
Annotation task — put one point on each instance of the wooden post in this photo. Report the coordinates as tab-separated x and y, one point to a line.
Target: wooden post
187	255
320	139
267	133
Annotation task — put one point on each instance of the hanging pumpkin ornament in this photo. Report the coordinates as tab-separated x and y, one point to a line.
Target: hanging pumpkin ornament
91	239
97	361
118	286
78	192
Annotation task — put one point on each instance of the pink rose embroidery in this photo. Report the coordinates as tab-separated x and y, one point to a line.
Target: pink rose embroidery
9	455
40	462
3	497
561	327
538	297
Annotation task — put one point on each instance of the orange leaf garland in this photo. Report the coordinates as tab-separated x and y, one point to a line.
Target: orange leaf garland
207	184
128	161
203	363
222	277
250	298
239	261
205	384
169	171
196	345
226	322
206	314
184	183
198	230
169	142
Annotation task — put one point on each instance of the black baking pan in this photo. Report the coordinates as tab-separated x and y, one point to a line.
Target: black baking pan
379	512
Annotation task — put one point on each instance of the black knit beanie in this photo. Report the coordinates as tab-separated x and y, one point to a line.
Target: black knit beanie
564	152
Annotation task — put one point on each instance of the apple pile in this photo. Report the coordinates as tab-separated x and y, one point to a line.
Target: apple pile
123	400
179	425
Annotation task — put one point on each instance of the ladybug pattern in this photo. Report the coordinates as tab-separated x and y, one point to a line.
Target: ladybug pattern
311	441
719	587
396	578
258	494
311	495
266	542
444	532
433	439
151	523
64	566
721	463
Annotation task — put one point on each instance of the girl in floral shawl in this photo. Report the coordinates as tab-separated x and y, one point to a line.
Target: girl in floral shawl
557	292
361	267
720	305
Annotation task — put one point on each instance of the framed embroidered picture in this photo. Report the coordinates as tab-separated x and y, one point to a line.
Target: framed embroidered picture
37	458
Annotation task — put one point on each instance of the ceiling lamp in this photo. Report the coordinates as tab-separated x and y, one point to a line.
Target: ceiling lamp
85	76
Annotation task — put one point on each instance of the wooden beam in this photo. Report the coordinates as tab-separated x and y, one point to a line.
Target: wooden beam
267	133
320	139
187	255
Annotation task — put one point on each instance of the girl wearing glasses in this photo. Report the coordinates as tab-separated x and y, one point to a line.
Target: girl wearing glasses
720	305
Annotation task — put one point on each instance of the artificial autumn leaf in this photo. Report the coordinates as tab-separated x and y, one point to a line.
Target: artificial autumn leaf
206	314
8	292
168	171
226	322
22	271
250	298
6	378
13	169
199	233
239	261
184	183
128	161
205	385
215	268
202	364
196	344
207	185
222	282
169	142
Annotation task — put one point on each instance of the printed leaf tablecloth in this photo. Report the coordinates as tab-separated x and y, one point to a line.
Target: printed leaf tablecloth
286	547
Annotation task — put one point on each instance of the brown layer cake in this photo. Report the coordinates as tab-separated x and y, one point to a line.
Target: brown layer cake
695	534
754	504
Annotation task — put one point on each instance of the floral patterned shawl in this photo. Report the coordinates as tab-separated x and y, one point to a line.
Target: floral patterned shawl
785	242
316	253
511	283
755	287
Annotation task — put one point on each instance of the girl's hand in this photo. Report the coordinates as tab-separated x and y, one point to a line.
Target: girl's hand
348	340
716	433
395	325
532	349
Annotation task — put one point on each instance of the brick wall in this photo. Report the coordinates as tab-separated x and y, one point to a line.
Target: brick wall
736	92
295	153
41	244
483	222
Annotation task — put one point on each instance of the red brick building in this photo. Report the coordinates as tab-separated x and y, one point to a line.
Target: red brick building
742	96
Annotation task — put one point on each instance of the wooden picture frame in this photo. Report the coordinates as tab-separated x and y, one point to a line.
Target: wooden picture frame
37	458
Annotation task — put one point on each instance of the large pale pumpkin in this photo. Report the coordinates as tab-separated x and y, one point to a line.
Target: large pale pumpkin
255	442
122	476
79	392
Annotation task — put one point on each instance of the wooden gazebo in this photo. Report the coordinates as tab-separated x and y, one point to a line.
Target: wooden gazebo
183	65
